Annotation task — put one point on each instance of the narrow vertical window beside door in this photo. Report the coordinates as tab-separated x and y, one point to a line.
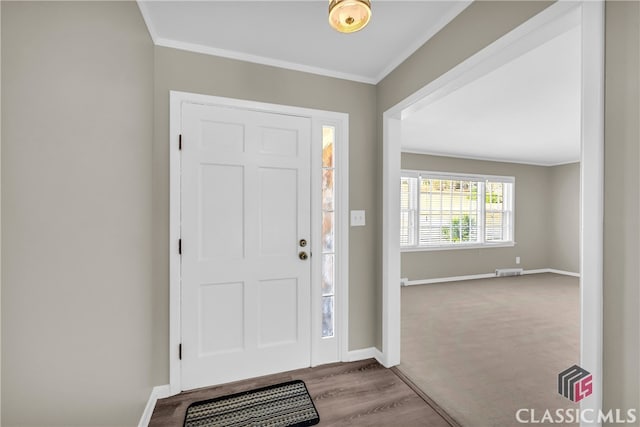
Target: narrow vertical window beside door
328	231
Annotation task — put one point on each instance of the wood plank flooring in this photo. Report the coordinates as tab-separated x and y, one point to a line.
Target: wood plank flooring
362	393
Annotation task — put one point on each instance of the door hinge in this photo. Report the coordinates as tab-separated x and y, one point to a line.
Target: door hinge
180	142
179	246
180	351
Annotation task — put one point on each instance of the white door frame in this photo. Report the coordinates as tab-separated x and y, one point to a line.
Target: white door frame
591	174
320	352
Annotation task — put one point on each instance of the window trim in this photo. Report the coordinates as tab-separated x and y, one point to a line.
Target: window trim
415	173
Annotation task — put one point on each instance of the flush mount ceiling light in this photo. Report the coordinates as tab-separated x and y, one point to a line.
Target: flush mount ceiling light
348	16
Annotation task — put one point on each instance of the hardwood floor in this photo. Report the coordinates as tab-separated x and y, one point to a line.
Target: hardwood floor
360	393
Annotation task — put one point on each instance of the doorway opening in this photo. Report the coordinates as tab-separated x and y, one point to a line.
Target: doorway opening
591	174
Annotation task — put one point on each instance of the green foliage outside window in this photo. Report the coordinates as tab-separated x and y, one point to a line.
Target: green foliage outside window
460	229
488	197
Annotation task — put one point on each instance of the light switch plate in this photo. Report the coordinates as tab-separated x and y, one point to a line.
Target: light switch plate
357	218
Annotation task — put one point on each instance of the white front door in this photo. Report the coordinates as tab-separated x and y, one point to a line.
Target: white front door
245	205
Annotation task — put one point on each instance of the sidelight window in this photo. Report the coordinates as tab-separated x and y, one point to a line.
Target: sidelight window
328	231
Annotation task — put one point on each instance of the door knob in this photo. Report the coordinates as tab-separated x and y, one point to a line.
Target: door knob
303	243
303	255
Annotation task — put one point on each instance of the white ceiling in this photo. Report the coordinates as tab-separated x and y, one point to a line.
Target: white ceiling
296	34
526	111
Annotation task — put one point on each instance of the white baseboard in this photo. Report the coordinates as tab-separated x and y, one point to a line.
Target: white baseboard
552	270
537	271
484	276
565	273
365	353
450	279
159	392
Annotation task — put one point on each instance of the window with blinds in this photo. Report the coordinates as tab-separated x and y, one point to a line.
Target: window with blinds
440	210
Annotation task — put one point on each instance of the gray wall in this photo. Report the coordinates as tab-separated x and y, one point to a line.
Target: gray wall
564	213
84	324
77	103
547	214
191	72
622	212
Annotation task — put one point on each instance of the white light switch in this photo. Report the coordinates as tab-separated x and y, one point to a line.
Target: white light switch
357	218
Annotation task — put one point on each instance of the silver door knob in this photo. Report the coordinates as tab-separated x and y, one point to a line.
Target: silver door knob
303	255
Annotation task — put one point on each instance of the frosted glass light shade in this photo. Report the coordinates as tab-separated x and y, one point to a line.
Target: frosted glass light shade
348	16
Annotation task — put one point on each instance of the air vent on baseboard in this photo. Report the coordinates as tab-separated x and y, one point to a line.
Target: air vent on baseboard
501	272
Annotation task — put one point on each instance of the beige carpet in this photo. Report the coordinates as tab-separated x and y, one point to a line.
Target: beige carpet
482	349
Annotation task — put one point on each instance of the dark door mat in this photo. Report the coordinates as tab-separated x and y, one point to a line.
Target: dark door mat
280	405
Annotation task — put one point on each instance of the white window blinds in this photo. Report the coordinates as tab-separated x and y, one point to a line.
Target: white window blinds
452	210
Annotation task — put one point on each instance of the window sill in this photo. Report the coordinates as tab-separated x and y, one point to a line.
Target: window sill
457	247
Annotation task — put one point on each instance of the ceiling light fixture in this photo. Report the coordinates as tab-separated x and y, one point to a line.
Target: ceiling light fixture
348	16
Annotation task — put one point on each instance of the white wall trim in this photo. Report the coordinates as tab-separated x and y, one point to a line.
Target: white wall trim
563	272
175	274
319	352
484	276
257	59
537	271
450	279
592	200
364	354
343	229
486	159
263	60
158	392
456	247
142	5
592	175
391	163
